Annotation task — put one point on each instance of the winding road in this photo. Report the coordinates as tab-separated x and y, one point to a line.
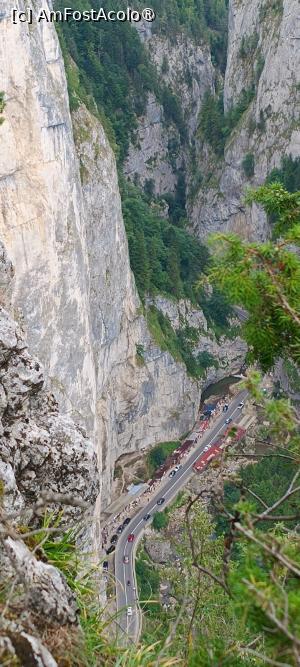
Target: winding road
126	595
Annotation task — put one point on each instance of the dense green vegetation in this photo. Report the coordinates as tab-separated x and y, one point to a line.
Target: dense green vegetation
107	65
248	164
269	478
148	584
160	520
288	174
214	125
163	256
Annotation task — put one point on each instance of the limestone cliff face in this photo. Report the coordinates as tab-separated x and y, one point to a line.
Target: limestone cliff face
263	54
186	68
73	290
137	405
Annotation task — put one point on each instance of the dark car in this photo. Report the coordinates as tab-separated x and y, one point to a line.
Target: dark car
120	529
105	565
147	517
161	501
228	421
114	539
110	550
126	522
225	408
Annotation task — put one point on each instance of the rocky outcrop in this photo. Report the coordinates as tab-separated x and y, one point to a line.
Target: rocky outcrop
263	56
46	462
159	151
41	450
228	354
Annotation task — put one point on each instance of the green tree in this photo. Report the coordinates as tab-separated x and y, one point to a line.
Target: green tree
160	520
262	546
248	165
265	279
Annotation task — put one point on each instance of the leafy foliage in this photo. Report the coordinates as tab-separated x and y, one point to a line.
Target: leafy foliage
288	174
265	279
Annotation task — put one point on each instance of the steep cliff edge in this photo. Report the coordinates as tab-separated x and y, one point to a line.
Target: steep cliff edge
263	64
46	464
74	293
73	289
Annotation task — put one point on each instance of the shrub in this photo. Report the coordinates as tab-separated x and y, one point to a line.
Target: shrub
160	520
248	165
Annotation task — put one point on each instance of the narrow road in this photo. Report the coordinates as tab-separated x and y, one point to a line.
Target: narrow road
127	595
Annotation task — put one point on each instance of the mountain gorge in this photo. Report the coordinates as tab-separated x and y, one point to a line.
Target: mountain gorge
122	148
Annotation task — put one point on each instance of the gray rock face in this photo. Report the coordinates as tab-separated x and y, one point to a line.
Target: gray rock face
46	590
73	283
228	354
40	449
41	452
73	293
263	51
157	154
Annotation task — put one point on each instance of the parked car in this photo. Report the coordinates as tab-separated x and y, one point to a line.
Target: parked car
241	405
129	611
105	565
206	448
228	421
120	529
110	550
226	407
126	560
172	473
177	468
161	501
126	522
147	517
114	539
131	537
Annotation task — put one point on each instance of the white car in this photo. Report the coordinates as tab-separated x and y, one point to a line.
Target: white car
129	611
241	405
206	448
177	468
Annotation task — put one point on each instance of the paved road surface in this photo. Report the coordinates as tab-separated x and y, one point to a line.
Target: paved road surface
125	594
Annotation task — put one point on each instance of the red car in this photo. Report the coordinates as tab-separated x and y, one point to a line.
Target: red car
131	537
